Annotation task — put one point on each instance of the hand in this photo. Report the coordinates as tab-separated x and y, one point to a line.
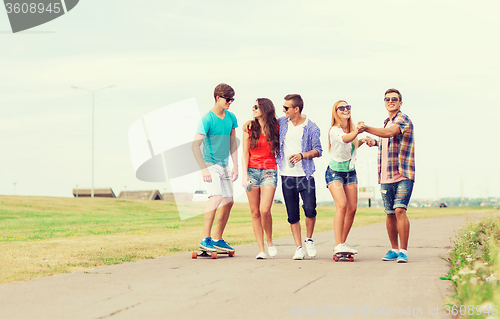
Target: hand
370	141
247	126
244	181
361	127
207	177
235	173
294	159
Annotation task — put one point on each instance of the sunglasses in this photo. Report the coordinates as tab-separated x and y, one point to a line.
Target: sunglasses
255	107
342	108
392	99
287	107
227	99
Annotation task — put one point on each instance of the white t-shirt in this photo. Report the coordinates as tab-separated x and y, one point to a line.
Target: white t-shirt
339	150
293	145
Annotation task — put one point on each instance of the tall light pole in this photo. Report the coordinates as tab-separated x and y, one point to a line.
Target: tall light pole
93	91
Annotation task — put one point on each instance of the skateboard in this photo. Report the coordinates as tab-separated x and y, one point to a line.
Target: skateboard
343	256
212	254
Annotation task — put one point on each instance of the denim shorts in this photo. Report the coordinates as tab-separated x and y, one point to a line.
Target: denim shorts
346	178
396	195
263	176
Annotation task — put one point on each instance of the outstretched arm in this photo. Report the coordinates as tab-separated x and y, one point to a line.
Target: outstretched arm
387	132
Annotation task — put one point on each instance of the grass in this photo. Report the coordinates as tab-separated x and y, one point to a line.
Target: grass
475	270
43	236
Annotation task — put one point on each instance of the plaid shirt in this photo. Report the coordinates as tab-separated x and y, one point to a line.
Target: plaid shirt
310	141
401	152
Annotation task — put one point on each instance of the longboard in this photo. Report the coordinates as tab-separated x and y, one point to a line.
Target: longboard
212	254
345	256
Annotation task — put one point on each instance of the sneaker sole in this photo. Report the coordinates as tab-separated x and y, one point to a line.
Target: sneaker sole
207	249
224	250
402	261
387	259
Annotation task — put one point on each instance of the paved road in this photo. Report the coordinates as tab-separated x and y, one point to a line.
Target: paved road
243	287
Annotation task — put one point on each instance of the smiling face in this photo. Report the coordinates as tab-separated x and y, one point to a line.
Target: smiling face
257	113
291	110
222	103
345	114
392	102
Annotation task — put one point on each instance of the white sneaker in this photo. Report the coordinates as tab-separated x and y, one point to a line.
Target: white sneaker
311	249
272	251
299	254
349	249
261	255
339	249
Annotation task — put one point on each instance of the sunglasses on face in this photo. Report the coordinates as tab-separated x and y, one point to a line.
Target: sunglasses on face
392	99
255	107
287	107
227	99
342	108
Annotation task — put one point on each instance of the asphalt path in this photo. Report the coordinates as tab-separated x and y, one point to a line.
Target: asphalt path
243	287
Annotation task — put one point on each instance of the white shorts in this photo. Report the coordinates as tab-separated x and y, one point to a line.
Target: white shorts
221	181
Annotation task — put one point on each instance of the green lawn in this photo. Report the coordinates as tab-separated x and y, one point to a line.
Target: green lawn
41	236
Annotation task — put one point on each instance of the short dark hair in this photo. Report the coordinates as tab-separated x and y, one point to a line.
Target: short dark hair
296	101
394	91
223	90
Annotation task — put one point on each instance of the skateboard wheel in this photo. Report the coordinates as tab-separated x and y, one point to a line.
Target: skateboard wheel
351	259
214	255
231	254
335	258
194	255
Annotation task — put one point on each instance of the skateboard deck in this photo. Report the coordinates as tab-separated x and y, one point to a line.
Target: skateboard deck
343	256
212	254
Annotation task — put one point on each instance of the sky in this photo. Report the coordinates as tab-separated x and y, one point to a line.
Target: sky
441	55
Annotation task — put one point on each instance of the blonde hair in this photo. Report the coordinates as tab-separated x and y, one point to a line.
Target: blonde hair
336	121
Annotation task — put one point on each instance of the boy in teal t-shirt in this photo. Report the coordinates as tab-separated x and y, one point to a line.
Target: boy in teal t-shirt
216	131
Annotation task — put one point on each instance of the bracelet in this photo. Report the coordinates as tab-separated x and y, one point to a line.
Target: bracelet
301	156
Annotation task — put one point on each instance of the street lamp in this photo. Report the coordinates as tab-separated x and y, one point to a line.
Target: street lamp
93	91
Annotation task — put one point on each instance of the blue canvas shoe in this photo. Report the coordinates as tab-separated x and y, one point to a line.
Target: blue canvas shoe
222	245
207	244
402	258
390	256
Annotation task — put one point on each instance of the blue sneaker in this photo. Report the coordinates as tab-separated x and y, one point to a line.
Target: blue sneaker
207	244
221	245
402	258
390	256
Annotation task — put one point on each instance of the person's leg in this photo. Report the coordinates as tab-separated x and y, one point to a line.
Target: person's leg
403	191
208	220
351	193
388	194
339	197
308	194
403	226
226	203
291	197
222	217
266	201
254	202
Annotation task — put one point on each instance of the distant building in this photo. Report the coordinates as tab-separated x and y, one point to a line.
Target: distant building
98	192
141	195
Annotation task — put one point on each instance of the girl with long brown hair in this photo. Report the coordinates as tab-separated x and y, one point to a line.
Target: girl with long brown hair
260	146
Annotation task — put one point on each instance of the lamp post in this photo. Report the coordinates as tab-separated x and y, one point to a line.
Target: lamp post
93	91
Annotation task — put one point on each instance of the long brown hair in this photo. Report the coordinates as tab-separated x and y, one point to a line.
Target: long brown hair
336	121
270	129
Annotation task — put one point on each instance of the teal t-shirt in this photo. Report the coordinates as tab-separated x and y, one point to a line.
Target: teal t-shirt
342	166
217	131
